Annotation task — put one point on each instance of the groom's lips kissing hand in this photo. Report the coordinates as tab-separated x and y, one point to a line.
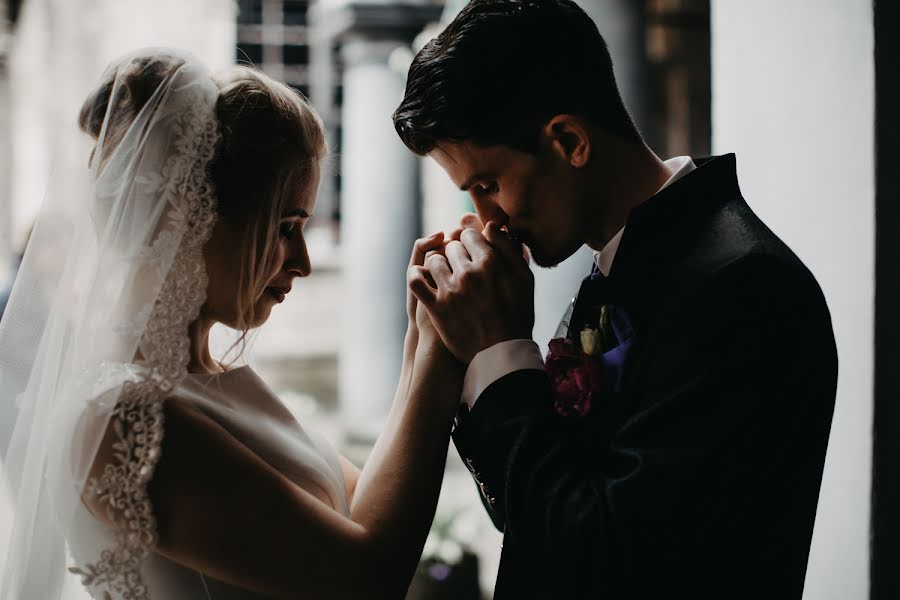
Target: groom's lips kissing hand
520	237
278	292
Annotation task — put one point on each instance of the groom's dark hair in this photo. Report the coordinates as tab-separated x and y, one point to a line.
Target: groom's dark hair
502	69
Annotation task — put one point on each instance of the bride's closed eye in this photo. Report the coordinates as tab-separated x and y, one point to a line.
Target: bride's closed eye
289	230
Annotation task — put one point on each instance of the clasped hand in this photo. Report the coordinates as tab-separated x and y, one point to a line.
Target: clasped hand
477	289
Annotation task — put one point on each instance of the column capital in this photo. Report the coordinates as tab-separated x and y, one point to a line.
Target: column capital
402	21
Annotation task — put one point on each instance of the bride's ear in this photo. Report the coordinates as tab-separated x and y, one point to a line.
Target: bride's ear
570	138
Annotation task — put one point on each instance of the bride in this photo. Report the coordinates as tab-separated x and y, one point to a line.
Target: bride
142	468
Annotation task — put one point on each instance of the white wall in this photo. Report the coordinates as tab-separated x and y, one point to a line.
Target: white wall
793	96
58	52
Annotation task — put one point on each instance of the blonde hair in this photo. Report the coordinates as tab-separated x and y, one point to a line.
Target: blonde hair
270	142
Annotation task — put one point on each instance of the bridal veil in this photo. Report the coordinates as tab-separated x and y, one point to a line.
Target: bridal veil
96	331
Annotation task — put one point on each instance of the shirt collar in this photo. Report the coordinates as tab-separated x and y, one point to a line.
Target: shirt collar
679	166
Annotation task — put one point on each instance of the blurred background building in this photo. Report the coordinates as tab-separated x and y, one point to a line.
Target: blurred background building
790	86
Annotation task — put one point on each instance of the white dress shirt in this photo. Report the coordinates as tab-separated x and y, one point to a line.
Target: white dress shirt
501	359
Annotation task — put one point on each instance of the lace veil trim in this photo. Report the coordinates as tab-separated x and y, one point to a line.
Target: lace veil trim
183	185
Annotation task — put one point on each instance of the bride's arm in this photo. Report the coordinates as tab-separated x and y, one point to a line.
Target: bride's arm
223	511
397	489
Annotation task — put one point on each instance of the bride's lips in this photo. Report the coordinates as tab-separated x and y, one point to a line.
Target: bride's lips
278	293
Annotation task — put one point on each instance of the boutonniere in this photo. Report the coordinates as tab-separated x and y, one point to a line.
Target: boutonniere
574	374
575	368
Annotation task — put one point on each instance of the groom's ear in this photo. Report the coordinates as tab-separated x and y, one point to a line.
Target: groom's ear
569	138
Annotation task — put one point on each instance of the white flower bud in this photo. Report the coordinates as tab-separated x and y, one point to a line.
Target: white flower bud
590	341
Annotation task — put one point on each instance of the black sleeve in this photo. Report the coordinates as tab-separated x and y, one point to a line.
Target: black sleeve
726	432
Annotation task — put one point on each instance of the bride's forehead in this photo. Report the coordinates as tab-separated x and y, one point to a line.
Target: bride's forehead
304	194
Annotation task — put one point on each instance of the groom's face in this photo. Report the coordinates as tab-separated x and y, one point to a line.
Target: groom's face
533	196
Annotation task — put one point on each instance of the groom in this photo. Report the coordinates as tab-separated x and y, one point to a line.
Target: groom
673	444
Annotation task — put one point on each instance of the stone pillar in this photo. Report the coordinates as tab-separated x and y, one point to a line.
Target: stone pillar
380	217
379	222
6	242
622	25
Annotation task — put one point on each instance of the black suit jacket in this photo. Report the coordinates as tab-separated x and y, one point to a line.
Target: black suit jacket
699	478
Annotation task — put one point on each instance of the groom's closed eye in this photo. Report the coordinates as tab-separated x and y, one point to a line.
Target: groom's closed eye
489	188
289	229
476	179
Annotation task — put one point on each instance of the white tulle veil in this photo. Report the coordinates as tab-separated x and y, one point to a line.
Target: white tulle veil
96	333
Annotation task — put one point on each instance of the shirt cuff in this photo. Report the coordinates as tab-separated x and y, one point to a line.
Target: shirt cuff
495	362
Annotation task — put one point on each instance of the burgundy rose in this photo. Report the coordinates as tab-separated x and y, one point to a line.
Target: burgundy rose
575	377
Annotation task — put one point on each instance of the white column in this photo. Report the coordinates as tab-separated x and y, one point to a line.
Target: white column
793	96
379	222
621	23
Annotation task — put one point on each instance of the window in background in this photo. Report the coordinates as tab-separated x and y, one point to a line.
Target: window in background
274	36
296	351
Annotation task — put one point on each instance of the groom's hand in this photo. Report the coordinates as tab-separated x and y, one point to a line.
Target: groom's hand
478	292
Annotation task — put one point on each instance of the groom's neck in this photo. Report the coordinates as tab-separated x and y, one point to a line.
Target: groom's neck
625	174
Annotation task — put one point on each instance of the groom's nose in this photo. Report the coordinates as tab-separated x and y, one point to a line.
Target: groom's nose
490	211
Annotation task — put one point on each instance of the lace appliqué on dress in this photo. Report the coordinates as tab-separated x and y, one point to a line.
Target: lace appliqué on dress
137	419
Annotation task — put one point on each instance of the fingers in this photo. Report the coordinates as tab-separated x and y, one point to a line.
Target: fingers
457	256
475	244
439	269
417	278
423	246
419	282
454	235
470	221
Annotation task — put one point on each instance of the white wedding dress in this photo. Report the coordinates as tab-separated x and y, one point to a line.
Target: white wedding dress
246	407
95	338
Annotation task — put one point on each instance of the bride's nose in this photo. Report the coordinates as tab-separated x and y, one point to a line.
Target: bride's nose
298	262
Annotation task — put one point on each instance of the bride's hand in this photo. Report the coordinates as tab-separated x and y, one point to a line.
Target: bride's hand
467	221
429	338
432	355
422	246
